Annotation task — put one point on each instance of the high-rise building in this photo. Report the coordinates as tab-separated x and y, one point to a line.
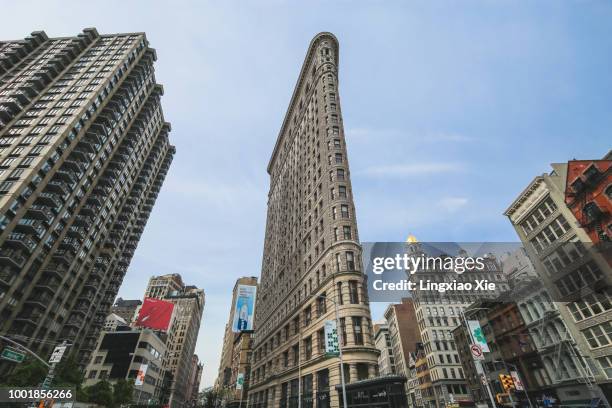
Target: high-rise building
224	375
558	218
84	151
312	255
404	333
382	342
437	314
126	308
194	381
182	333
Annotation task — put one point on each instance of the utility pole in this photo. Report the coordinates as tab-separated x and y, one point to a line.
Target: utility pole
338	331
477	363
51	374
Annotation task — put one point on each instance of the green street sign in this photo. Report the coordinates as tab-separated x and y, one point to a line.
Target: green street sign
12	354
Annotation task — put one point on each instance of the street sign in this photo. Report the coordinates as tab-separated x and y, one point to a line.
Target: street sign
476	351
12	354
57	354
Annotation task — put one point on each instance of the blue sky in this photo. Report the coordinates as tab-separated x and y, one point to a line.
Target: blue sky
450	109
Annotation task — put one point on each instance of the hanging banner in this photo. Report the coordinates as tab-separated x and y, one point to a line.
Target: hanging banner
244	308
140	377
332	347
239	381
478	335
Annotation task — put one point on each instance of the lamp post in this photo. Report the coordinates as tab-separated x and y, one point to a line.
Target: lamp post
517	373
339	348
478	363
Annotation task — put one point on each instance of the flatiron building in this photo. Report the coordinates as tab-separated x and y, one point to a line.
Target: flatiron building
312	255
84	151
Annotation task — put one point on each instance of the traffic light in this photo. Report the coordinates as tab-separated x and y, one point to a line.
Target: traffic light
506	382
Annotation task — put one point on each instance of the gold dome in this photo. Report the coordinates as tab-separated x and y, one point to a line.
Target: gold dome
412	239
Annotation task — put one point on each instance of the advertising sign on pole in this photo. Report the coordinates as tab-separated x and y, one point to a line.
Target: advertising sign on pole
478	335
331	338
244	308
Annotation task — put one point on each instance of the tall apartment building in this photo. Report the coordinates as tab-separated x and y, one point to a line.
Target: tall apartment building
438	314
382	342
574	269
83	153
182	333
224	377
312	255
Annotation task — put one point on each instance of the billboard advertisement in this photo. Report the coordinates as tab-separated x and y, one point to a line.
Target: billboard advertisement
244	308
155	314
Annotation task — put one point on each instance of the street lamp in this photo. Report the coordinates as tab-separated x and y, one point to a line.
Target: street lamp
476	362
339	348
517	373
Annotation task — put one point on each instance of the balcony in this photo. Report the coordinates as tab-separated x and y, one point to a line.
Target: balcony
75	166
81	308
32	318
59	187
41	212
76	321
50	284
30	226
93	138
55	270
50	199
11	257
67	176
88	210
20	240
40	300
70	244
95	200
82	221
76	232
63	256
7	276
92	283
111	243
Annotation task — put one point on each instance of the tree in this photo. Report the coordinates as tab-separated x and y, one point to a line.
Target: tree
68	373
29	373
100	393
123	391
